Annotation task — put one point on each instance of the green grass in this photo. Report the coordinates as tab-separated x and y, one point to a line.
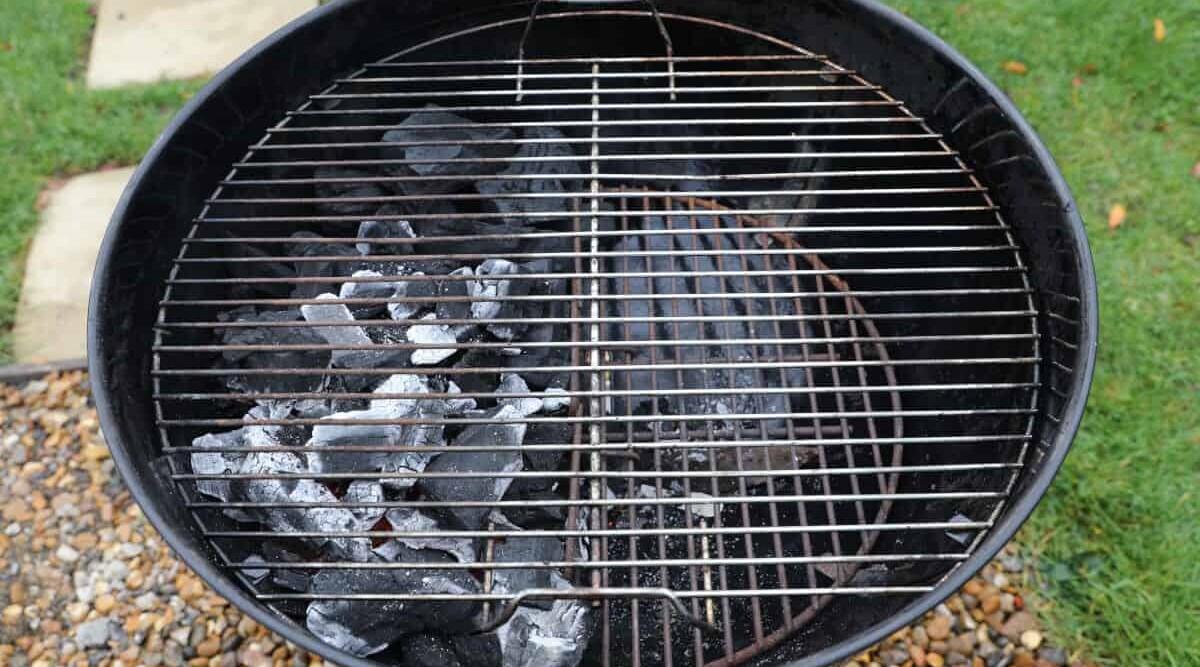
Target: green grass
1119	532
51	125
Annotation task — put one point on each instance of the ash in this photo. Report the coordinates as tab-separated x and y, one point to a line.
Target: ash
432	460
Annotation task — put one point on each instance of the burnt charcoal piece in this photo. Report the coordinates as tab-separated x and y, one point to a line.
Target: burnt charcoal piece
341	191
511	383
269	336
527	550
478	489
477	650
491	284
408	520
429	332
447	158
539	176
455	288
381	291
382	434
320	269
348	336
426	650
367	627
298	518
547	638
217	462
385	229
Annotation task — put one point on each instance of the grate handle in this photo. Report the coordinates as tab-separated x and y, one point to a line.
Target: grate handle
664	594
658	20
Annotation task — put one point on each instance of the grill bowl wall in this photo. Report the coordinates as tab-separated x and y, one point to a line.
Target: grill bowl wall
935	82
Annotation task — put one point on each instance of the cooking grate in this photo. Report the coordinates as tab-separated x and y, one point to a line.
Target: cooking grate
839	272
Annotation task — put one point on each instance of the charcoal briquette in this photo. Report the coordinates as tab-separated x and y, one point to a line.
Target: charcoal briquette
441	156
341	191
498	433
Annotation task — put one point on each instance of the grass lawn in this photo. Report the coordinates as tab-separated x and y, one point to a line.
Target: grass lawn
1120	531
51	125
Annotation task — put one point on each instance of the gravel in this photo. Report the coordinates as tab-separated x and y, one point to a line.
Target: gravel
86	582
986	624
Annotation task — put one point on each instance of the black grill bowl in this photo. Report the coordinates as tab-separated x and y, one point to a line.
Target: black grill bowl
216	128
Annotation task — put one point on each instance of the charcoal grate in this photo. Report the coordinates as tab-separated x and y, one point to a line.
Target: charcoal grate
771	303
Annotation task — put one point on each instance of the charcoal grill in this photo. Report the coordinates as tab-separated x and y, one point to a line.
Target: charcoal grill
813	302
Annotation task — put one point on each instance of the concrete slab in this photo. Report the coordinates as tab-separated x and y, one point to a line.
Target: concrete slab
143	41
52	315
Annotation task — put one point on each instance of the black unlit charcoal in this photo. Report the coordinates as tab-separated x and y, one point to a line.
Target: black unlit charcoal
495	464
343	191
320	268
477	650
479	382
427	650
258	269
267	359
532	516
534	183
367	627
556	435
539	357
532	550
292	580
678	256
447	158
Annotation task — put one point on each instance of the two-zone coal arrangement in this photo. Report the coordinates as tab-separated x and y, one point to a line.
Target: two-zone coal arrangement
693	347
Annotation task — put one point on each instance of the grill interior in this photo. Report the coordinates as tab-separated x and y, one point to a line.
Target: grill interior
759	279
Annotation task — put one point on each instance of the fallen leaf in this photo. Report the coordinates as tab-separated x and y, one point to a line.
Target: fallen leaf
5	46
1116	216
1196	170
1160	30
1015	67
1076	81
1090	68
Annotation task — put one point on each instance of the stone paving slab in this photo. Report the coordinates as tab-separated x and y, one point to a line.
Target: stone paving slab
143	41
52	315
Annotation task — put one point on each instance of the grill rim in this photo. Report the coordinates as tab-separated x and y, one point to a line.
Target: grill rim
106	352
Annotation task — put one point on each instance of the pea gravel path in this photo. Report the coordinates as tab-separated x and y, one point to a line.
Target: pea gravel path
86	582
